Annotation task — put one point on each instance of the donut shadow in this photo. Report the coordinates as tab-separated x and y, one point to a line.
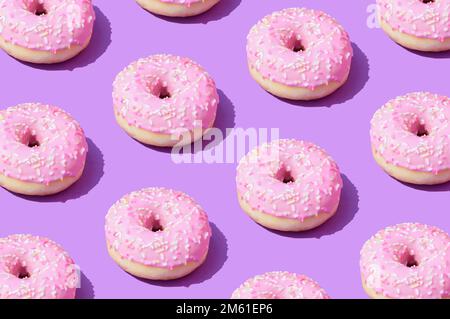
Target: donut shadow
348	207
217	256
86	289
221	10
429	188
100	41
433	55
357	79
92	174
225	120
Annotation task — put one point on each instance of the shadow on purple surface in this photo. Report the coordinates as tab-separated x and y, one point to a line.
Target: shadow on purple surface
86	290
433	55
217	256
219	11
430	188
348	207
101	39
357	79
92	174
226	114
225	119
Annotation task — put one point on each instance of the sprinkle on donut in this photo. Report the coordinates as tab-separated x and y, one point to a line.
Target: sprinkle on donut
34	267
408	260
40	143
300	47
280	285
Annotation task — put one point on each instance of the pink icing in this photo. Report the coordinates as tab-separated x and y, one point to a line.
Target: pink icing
158	227
325	56
65	23
398	128
37	268
289	178
408	261
280	285
40	143
417	17
141	89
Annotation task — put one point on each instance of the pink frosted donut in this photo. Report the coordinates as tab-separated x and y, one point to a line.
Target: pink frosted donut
157	233
45	31
299	54
289	185
280	285
411	138
42	149
407	261
165	100
417	24
177	8
34	267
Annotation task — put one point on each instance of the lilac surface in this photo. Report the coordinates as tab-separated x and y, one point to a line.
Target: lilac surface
240	248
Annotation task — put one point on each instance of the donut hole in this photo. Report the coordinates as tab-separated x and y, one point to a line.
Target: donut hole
20	272
288	179
38	8
40	11
32	141
154	225
164	93
157	227
285	176
298	46
23	274
292	42
411	262
427	1
422	131
158	89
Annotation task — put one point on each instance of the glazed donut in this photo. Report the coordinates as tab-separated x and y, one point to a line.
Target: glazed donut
407	261
280	285
299	54
45	31
34	267
42	149
288	185
422	25
165	100
177	8
411	138
157	233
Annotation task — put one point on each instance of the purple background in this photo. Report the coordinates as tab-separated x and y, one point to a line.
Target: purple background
240	248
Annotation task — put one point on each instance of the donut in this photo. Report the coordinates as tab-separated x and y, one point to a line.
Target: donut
410	138
407	261
288	185
280	285
42	149
33	267
299	54
45	31
157	234
422	25
177	8
165	100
